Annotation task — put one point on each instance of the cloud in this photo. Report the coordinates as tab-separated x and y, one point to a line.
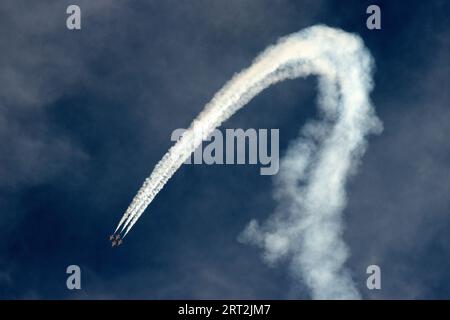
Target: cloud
399	203
41	61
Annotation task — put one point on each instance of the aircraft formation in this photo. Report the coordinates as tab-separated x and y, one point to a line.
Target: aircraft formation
115	240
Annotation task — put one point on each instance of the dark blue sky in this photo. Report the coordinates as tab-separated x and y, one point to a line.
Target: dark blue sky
84	117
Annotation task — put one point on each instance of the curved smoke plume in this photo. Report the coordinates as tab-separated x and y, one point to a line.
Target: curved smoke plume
310	187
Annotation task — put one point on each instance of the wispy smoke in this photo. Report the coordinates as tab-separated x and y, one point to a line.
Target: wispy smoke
310	188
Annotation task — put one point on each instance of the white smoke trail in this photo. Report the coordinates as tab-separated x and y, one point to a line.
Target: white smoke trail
310	187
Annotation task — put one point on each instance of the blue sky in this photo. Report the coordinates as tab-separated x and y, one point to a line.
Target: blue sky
84	117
